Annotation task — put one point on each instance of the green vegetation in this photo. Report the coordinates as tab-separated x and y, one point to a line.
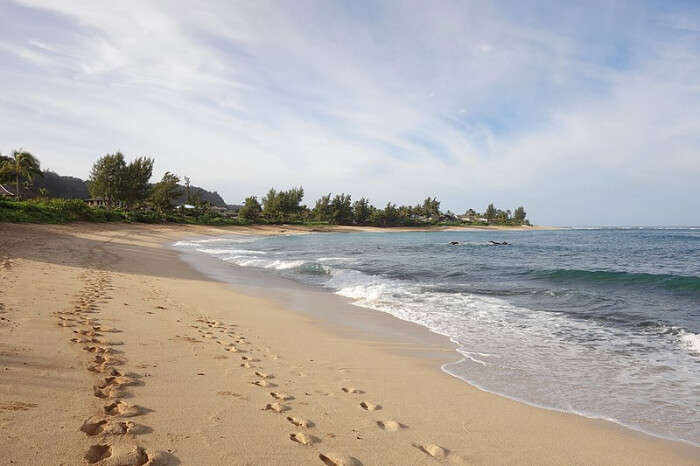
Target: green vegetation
285	207
20	166
119	183
123	191
54	211
251	209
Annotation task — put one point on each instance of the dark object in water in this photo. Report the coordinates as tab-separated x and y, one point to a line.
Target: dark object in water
454	242
496	243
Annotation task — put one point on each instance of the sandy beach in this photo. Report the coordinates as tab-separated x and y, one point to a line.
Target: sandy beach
115	351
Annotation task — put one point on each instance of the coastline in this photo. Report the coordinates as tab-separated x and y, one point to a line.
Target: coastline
147	282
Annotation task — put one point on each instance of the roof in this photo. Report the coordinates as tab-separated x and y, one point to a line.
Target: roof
5	192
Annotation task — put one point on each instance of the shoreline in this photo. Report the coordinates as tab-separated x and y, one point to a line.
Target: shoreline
157	302
385	320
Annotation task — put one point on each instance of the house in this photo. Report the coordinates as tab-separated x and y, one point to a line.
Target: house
5	193
96	202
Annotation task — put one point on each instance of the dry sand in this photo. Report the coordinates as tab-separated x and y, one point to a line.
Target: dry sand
113	351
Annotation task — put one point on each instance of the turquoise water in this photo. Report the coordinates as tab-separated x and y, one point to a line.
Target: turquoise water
601	322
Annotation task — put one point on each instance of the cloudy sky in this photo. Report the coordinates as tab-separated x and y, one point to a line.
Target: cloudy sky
587	113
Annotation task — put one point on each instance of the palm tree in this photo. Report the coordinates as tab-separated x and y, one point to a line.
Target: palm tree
20	164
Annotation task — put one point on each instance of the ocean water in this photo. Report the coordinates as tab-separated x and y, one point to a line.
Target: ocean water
600	322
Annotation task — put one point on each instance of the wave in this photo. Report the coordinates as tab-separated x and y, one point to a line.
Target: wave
691	341
199	242
299	266
246	252
672	282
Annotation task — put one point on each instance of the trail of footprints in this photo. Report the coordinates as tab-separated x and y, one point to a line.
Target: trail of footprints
283	403
112	424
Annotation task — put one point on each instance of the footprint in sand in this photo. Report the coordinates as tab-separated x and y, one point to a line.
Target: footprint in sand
390	425
84	340
113	386
108	455
281	396
87	333
276	407
369	406
352	390
303	439
104	362
333	459
120	408
99	328
98	453
249	359
300	422
263	375
99	349
108	392
438	452
263	383
232	349
108	427
246	365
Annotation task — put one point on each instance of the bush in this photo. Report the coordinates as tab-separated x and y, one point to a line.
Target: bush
55	211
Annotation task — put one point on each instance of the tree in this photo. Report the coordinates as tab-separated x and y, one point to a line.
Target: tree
115	181
251	209
21	165
107	178
341	209
164	192
283	205
519	215
361	211
322	209
136	181
188	191
490	213
391	214
431	209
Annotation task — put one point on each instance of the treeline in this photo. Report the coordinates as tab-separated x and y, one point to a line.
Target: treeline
125	189
285	206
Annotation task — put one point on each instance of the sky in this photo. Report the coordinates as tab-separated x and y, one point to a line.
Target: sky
586	113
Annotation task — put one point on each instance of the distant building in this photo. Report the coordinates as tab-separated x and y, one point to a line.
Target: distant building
101	202
96	202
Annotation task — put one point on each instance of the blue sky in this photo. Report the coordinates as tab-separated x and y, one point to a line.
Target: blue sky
586	113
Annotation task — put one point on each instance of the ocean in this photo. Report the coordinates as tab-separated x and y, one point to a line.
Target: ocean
603	322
